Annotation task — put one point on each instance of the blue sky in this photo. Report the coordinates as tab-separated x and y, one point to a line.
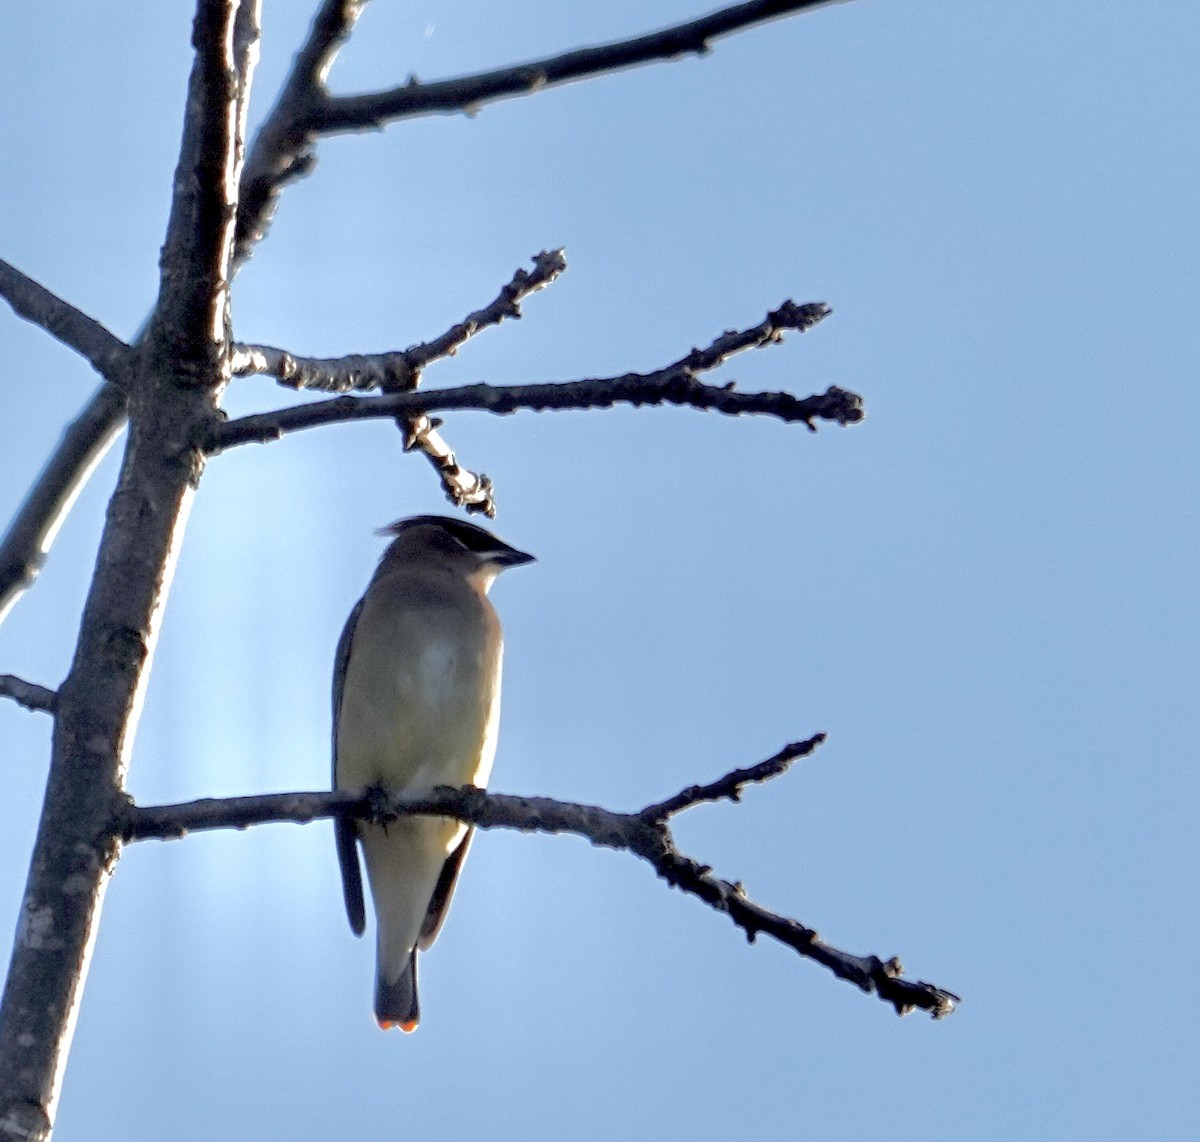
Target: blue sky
984	593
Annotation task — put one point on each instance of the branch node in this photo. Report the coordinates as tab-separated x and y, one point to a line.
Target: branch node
648	839
105	352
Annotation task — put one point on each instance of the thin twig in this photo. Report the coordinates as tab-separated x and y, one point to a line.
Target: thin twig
547	266
645	834
398	370
28	694
464	488
247	40
282	149
471	92
730	786
29	536
104	351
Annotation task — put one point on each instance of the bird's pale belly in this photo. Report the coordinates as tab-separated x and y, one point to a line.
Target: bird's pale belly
432	726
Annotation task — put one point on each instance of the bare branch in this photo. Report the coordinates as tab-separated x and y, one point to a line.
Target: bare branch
247	37
28	694
193	298
470	92
282	152
29	536
472	491
675	384
730	786
869	973
677	388
547	266
83	445
106	353
90	435
769	331
401	369
282	149
181	369
644	834
355	372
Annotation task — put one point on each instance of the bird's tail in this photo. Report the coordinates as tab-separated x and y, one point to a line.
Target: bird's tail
396	1001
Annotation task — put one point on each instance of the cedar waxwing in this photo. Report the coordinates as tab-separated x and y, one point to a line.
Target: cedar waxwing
416	703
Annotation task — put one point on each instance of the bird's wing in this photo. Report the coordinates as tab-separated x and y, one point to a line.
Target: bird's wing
439	903
344	831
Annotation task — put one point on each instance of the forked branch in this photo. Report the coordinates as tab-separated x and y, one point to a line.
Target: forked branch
283	151
305	110
401	369
86	440
645	834
674	384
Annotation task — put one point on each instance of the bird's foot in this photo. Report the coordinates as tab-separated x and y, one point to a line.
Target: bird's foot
381	806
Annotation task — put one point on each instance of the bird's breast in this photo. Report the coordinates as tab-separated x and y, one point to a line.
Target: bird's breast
421	698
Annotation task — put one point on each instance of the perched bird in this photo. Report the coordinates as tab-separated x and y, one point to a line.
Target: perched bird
416	703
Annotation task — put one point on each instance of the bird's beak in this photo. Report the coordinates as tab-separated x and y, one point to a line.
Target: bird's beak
511	558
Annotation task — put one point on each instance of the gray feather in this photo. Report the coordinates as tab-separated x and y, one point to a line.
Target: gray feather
345	834
439	903
397	1002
